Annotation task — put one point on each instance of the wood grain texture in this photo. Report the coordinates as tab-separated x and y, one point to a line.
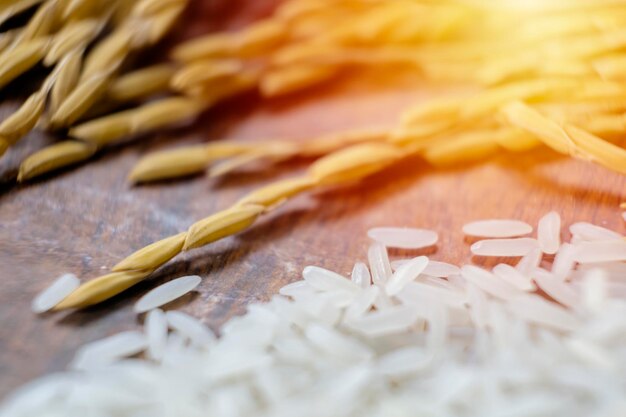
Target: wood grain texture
86	219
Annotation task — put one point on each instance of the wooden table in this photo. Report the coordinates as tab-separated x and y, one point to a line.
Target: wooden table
87	218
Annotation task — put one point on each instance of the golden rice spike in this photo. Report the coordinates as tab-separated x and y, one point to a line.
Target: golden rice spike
13	8
287	80
24	119
40	24
252	41
152	255
79	101
73	36
4	145
107	54
69	72
157	114
591	147
7	38
146	8
14	62
462	148
105	129
141	83
523	116
221	89
277	192
204	72
102	288
162	23
331	142
53	157
178	162
222	224
165	112
354	163
275	151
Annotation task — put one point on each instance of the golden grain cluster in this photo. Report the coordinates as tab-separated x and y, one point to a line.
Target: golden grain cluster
86	44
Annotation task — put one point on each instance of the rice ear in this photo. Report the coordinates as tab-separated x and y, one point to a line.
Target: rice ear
600	151
279	191
53	157
14	62
24	119
172	163
354	163
222	224
102	288
154	255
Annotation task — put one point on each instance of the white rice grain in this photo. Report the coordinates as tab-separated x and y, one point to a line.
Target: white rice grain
556	288
156	333
504	247
549	233
55	293
600	251
404	238
166	293
487	282
538	310
405	274
325	280
105	351
497	228
591	232
564	261
514	277
191	328
379	263
361	275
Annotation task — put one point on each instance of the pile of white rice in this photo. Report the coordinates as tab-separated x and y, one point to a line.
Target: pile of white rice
412	337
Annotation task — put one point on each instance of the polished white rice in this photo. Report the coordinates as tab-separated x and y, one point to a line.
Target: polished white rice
405	238
405	274
497	228
167	293
549	233
55	293
504	247
471	342
155	328
591	232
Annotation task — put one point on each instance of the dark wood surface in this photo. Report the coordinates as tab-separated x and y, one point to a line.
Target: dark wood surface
85	219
